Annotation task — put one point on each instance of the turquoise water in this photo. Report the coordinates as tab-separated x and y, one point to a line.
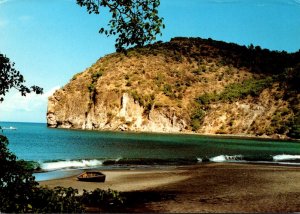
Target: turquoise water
56	149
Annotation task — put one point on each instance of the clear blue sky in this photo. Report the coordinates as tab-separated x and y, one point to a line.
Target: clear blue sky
51	40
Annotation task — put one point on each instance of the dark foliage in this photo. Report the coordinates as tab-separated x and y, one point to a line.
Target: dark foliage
104	200
258	60
295	127
11	78
197	118
16	181
57	200
135	22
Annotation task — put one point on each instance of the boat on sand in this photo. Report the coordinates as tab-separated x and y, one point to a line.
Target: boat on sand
91	176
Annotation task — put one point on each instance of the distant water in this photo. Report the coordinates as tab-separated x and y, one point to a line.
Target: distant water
57	149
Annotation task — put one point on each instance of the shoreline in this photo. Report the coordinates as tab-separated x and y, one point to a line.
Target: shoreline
212	187
235	136
245	136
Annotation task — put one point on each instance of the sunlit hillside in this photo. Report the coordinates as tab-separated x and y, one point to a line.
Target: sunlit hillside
185	85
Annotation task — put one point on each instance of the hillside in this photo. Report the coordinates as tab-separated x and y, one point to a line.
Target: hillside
185	85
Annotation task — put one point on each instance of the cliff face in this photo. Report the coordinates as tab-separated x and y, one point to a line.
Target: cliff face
186	85
129	115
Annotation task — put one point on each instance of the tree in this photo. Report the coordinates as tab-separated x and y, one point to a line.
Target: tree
135	22
12	78
16	181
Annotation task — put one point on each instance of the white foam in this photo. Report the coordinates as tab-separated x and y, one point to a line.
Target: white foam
118	159
226	158
286	157
220	158
70	164
199	160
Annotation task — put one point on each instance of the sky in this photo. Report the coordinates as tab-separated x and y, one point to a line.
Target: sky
51	40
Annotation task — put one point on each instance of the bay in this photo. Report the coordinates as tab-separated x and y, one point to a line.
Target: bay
57	149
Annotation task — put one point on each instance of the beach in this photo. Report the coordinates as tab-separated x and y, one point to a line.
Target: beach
212	187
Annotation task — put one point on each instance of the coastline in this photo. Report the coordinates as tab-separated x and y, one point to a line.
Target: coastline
236	136
245	136
213	187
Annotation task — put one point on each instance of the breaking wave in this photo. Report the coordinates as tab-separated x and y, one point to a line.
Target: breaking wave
226	158
286	157
146	162
50	166
276	159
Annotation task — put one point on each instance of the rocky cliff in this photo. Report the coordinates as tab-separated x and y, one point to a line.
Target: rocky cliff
185	85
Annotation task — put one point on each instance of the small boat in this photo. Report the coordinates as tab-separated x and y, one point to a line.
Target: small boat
91	177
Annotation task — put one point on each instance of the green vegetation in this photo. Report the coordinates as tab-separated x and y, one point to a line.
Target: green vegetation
208	52
16	181
280	122
200	70
168	90
12	78
197	118
207	98
75	76
294	131
147	101
159	79
250	87
92	86
133	22
102	199
56	200
95	76
236	91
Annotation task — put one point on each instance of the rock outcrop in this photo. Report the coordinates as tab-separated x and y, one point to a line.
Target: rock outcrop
129	116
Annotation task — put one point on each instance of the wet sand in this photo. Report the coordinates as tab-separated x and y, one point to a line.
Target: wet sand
214	187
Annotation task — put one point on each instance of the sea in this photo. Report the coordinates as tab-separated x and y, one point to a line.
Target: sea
64	152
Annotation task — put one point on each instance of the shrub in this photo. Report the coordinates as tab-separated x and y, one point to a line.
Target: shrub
236	91
251	87
97	75
91	87
147	101
159	79
75	76
16	181
197	118
295	127
168	90
206	98
57	200
102	198
199	71
128	84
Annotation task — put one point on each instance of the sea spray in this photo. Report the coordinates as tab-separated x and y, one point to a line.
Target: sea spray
199	160
226	158
50	166
285	157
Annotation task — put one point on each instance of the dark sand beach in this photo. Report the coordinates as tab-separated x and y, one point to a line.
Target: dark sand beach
214	187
